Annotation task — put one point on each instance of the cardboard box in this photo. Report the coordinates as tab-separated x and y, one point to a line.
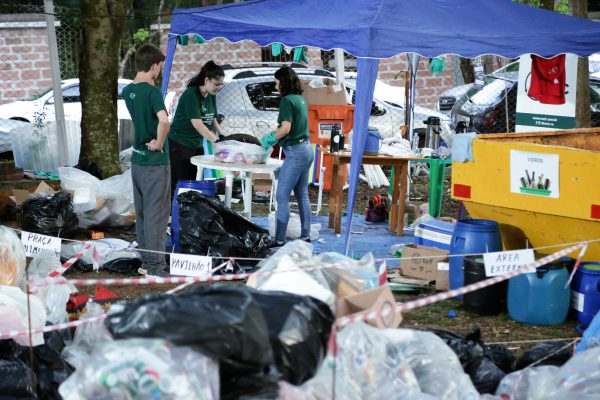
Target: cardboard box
442	278
20	195
414	210
378	299
330	93
423	268
261	183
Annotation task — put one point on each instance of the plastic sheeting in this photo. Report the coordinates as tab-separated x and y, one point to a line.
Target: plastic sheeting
140	369
14	314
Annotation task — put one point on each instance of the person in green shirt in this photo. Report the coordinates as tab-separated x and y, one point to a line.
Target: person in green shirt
150	168
292	135
195	119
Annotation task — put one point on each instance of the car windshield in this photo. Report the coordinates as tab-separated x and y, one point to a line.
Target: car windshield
39	94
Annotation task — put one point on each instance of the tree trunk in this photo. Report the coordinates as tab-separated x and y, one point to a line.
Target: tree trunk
102	23
583	114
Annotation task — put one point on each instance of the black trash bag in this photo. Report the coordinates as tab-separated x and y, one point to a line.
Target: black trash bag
501	356
221	321
125	266
91	168
15	380
49	215
77	267
485	375
51	370
468	349
207	227
542	350
299	328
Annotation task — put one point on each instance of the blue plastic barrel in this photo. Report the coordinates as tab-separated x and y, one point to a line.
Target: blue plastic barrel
540	297
207	188
585	291
471	236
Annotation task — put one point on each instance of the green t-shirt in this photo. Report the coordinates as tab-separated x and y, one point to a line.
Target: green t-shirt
192	105
293	109
144	101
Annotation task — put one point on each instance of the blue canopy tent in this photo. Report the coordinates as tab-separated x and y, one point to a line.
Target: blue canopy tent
375	29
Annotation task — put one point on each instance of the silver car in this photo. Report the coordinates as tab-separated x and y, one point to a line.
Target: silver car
250	102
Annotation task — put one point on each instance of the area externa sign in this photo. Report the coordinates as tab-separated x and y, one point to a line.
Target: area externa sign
546	93
502	262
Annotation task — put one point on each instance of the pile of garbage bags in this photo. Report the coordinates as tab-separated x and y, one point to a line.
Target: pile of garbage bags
51	215
106	203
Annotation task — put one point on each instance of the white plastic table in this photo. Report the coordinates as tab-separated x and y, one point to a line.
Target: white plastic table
208	161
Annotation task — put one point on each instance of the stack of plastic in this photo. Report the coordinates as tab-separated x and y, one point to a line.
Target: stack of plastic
232	151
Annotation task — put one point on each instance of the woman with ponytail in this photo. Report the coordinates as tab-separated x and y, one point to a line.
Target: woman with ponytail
195	120
292	135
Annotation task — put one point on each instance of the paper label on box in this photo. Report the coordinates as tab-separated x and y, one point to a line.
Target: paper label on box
443	266
35	243
501	262
190	265
577	300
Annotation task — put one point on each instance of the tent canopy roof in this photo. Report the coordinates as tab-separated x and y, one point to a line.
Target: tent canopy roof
384	28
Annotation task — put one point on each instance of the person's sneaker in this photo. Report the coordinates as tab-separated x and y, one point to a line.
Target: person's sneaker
306	239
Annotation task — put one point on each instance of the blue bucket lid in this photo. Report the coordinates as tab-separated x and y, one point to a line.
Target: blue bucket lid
590	267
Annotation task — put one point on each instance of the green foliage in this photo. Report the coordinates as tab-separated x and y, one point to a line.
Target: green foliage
141	36
563	7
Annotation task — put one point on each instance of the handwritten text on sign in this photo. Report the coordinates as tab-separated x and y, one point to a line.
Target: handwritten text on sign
35	242
501	262
190	265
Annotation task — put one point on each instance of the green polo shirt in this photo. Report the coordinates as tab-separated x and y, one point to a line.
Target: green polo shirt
144	101
192	105
293	109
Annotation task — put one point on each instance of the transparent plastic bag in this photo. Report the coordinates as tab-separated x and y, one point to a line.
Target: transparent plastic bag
136	369
84	187
294	228
344	274
12	258
232	151
434	364
54	296
87	337
578	379
291	270
367	366
14	315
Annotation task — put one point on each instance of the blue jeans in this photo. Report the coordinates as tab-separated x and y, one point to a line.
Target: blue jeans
293	176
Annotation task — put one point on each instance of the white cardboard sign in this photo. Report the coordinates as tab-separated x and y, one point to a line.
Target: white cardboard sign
36	242
190	265
501	262
535	174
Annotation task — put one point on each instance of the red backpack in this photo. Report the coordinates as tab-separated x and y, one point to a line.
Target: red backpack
377	208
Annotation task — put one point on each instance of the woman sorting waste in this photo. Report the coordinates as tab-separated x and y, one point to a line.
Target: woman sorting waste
195	119
292	135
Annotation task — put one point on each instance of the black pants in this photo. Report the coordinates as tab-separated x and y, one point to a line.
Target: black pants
181	167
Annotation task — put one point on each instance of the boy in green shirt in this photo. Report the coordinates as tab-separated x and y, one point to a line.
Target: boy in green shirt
150	167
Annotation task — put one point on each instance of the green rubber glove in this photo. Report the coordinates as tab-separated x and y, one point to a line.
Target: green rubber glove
268	141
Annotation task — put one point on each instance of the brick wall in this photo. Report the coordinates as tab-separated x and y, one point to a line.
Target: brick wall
189	59
24	60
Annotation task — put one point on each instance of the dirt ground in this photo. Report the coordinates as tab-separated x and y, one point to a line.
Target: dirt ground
494	328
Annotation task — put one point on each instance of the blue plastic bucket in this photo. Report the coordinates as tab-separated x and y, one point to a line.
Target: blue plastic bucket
540	297
373	142
207	188
585	291
471	236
